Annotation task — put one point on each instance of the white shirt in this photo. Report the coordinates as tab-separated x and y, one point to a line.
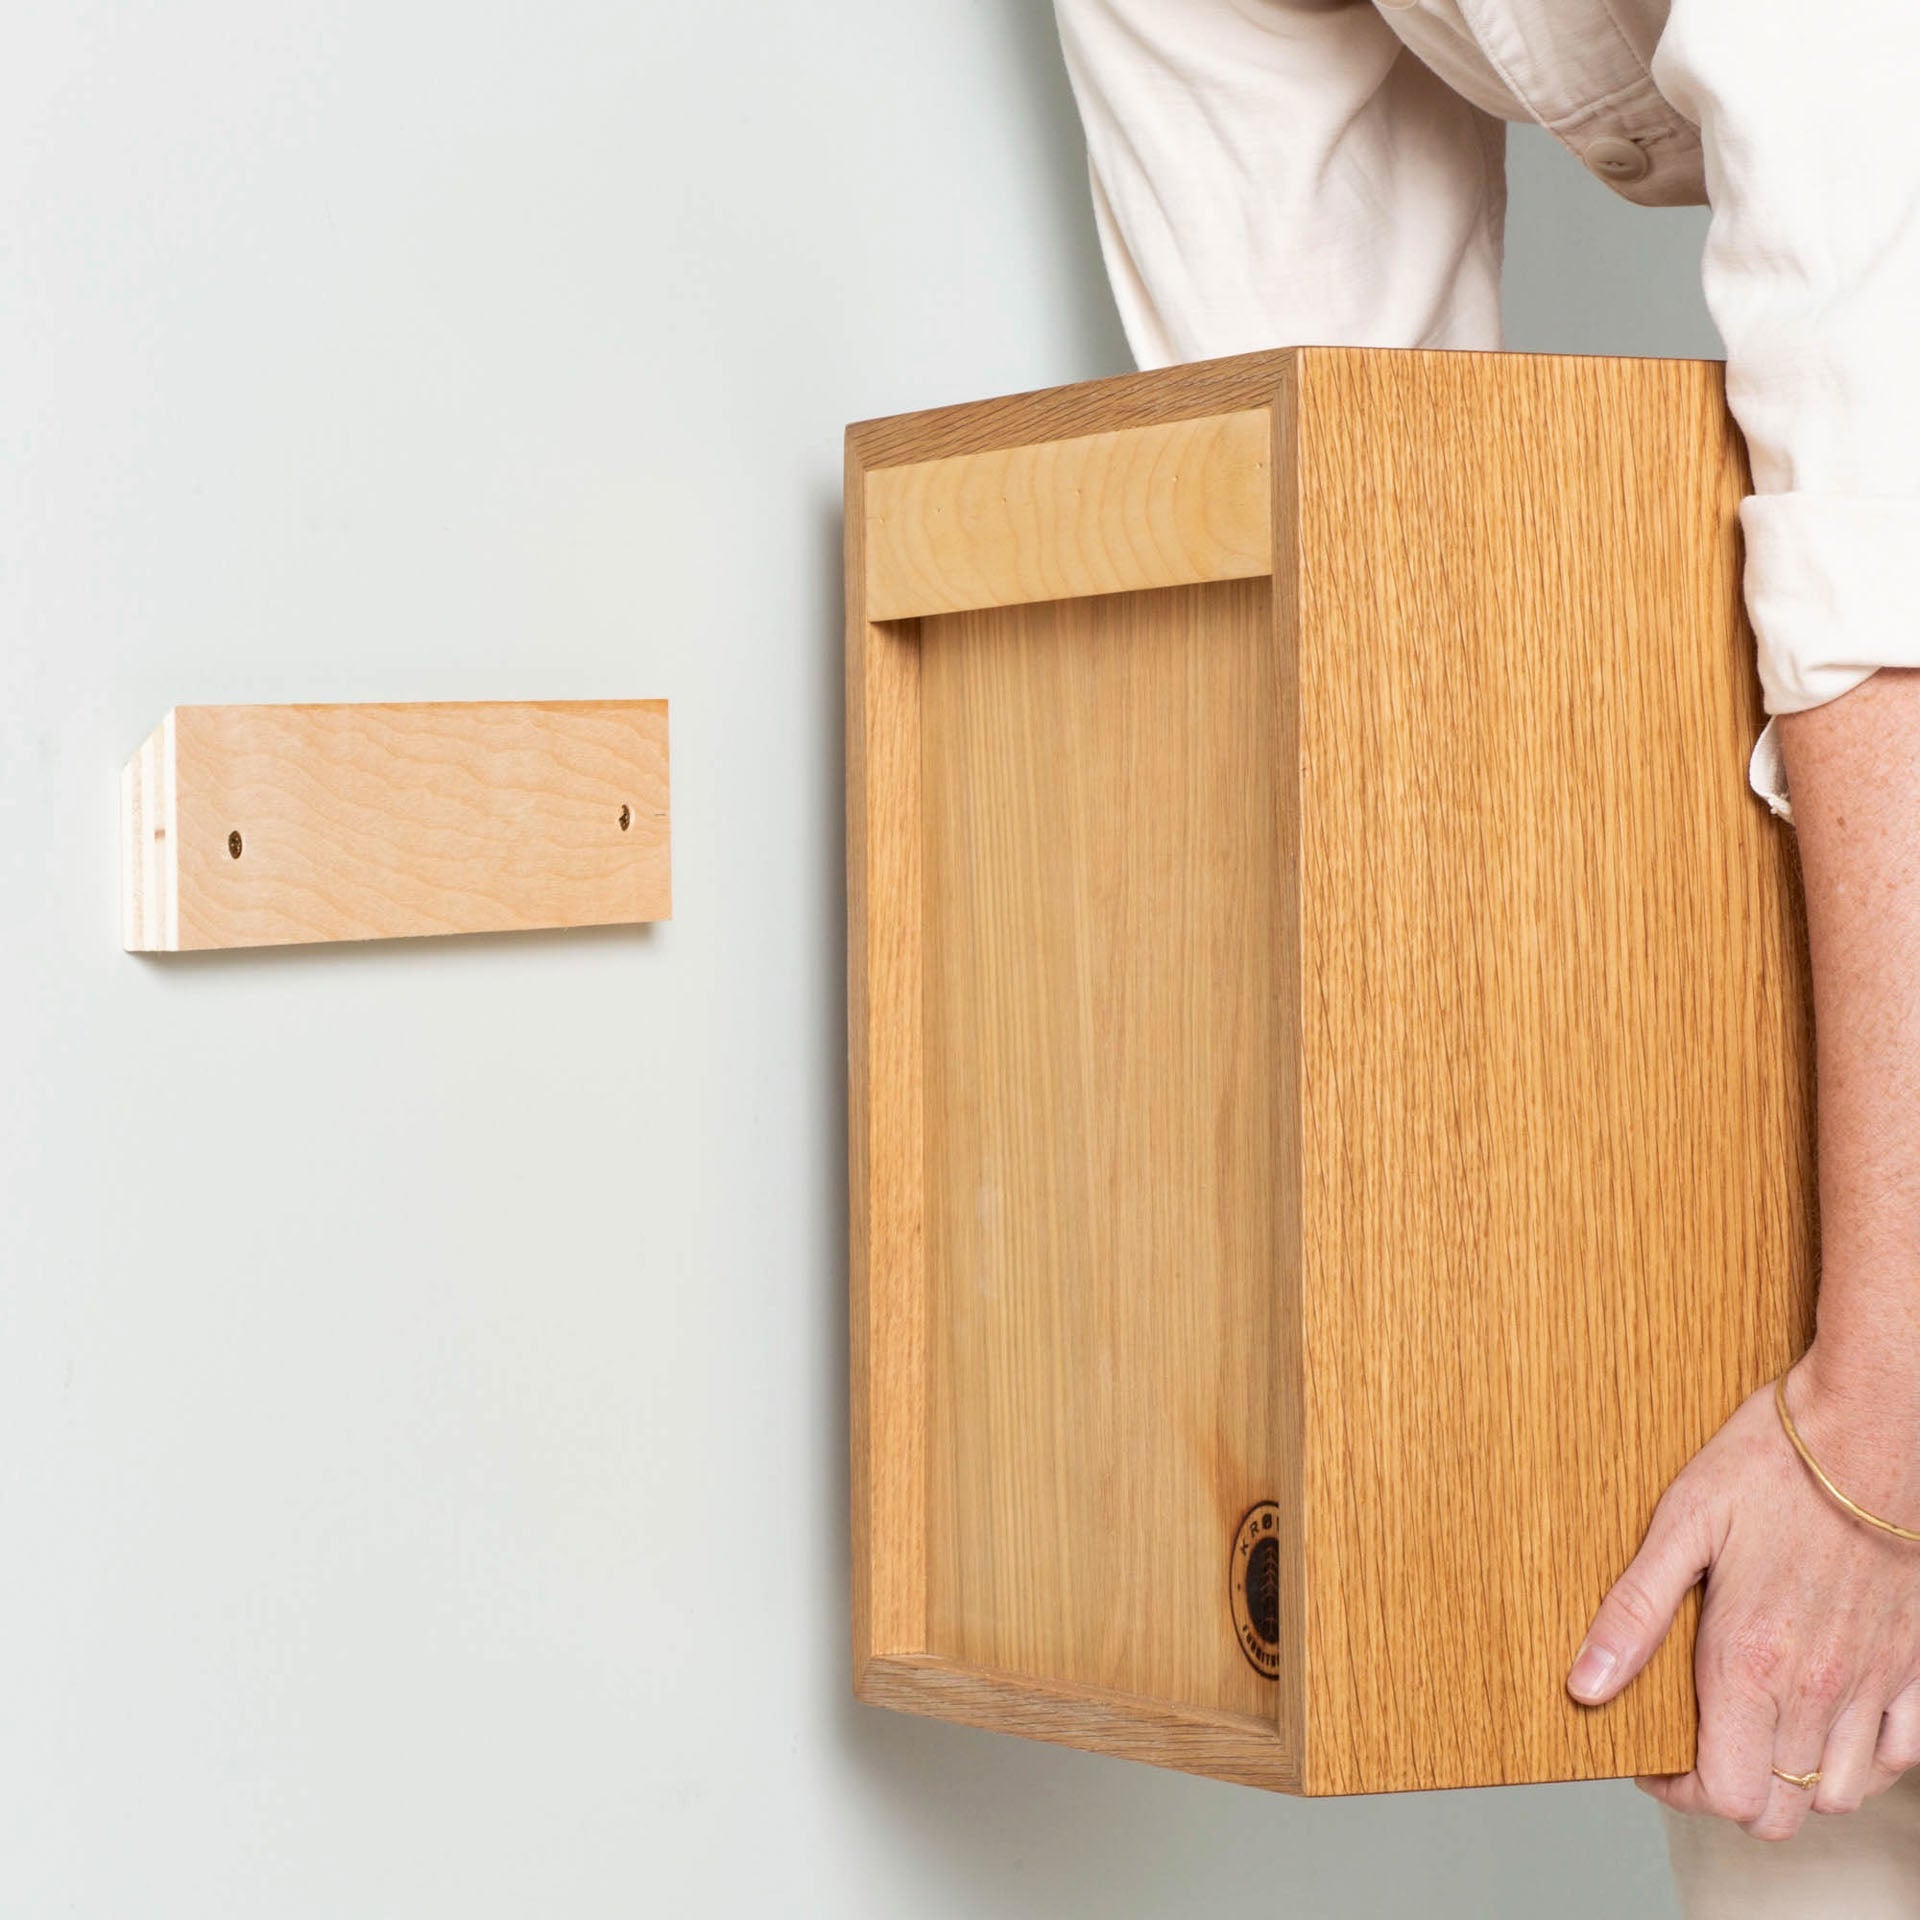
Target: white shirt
1275	172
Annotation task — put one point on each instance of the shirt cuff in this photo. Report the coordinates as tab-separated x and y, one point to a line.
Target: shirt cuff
1833	589
1767	773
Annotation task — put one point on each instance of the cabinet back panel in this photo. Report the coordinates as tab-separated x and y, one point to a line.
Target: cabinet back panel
1104	1121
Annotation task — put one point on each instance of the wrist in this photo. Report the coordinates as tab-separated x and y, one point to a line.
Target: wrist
1863	1368
1858	1409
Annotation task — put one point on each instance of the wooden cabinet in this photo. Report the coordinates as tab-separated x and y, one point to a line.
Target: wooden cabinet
1329	1048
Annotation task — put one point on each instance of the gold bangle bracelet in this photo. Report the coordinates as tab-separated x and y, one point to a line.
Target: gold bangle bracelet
1813	1467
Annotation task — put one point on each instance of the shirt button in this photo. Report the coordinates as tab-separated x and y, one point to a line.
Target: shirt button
1615	159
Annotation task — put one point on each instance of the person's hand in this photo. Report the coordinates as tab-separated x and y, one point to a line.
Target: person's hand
1808	1654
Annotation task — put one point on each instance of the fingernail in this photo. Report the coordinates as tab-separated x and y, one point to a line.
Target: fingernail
1592	1669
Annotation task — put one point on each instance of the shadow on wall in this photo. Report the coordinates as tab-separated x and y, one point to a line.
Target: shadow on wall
997	1825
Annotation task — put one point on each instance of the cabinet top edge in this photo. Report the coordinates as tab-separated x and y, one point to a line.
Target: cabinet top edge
1155	395
1147	398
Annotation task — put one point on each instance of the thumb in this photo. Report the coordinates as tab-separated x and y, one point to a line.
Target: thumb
1634	1617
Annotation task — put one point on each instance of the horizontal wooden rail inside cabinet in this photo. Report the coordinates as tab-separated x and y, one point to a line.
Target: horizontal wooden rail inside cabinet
1155	506
263	825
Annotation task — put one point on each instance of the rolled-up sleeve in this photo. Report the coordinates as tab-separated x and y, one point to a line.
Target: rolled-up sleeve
1812	274
1283	172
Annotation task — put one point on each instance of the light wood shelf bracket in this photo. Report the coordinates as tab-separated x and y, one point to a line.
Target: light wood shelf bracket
252	826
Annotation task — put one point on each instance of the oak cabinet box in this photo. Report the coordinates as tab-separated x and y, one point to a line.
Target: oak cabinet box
1329	1043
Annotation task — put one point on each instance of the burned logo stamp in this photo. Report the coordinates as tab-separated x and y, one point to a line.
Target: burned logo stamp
1253	1587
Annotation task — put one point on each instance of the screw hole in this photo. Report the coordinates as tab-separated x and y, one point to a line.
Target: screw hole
234	845
626	818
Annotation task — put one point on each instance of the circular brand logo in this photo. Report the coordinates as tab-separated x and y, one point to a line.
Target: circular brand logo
1253	1586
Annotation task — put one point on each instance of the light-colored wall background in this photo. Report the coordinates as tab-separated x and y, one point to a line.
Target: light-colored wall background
421	1378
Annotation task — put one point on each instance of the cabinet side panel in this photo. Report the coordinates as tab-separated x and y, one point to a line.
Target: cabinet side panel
1557	1079
1103	1132
1288	1342
887	1277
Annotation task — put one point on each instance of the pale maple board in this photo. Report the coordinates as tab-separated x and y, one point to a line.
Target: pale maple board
1337	1037
267	825
1143	506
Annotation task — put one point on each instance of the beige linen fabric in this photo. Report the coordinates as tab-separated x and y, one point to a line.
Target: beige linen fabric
1863	1865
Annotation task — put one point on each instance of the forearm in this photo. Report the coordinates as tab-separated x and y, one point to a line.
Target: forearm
1854	767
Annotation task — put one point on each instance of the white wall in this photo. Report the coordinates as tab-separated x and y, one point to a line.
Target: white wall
421	1365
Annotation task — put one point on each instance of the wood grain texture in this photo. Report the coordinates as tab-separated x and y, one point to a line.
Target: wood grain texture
889	1410
1063	413
1223	1746
1556	1077
1283	1069
1527	1047
886	1232
263	826
1100	877
1167	505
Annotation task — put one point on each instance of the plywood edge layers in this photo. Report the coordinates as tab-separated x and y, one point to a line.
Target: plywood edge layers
1221	1746
149	841
1174	504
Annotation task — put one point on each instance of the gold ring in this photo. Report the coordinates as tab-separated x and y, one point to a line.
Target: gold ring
1805	1781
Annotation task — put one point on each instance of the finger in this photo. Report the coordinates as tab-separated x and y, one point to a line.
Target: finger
1680	1791
1739	1735
1634	1617
1812	1708
1846	1767
1787	1804
1898	1747
1731	1777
